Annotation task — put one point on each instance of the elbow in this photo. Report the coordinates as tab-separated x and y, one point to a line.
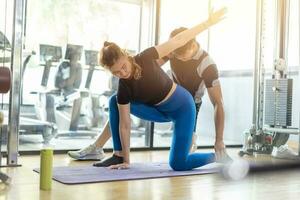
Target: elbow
218	105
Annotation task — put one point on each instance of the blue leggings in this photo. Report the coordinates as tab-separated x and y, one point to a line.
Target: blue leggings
180	109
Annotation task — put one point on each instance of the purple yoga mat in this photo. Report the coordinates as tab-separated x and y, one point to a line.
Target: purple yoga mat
90	174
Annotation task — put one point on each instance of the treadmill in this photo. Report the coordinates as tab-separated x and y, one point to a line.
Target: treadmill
28	126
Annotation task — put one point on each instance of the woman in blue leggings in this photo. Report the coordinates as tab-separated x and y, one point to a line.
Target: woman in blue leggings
148	93
180	109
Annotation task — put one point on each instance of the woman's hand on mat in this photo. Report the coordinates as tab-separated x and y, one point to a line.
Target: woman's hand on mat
120	166
220	150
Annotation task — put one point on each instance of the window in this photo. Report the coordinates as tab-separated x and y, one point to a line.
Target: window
59	24
231	44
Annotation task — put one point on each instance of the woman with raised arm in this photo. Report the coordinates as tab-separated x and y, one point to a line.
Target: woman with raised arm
147	92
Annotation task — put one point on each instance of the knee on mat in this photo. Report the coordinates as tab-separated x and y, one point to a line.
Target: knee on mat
178	165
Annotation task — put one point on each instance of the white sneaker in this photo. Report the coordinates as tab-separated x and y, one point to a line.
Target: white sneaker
90	152
284	152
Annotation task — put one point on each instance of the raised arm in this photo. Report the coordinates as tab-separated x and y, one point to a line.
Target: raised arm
182	38
161	61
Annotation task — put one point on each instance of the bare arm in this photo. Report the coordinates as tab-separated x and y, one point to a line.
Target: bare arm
182	38
215	95
124	127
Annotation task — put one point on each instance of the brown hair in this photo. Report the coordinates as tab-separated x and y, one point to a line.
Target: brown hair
111	52
184	48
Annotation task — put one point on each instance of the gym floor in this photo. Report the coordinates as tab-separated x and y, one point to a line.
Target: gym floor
34	142
266	185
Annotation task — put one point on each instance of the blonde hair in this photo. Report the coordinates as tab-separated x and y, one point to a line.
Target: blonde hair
111	53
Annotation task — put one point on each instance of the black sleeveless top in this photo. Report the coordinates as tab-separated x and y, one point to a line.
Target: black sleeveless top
153	86
194	73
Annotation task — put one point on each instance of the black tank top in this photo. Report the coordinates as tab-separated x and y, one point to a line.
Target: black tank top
191	73
153	86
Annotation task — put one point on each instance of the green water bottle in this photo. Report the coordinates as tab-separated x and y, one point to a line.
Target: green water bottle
46	169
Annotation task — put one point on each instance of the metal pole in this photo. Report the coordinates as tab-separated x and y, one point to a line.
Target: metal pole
157	22
256	76
14	99
282	29
150	125
140	29
299	75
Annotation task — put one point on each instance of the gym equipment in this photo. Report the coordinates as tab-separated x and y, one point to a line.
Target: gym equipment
35	124
278	101
48	55
277	117
257	141
4	42
5	81
91	60
4	46
28	125
272	103
70	93
53	102
69	74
